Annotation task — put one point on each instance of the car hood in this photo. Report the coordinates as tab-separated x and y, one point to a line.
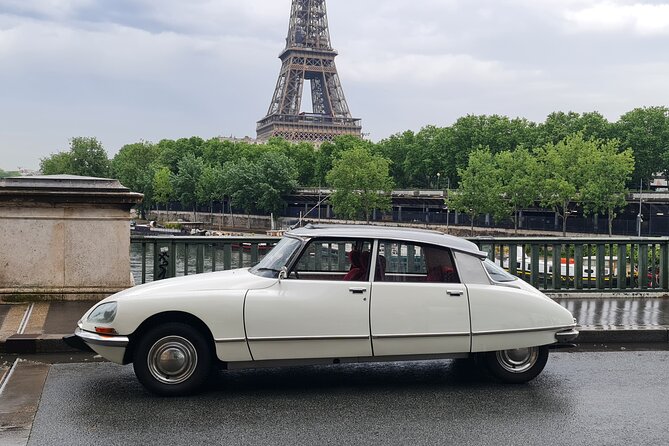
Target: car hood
237	279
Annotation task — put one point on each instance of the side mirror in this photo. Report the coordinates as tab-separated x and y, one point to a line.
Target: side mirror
283	273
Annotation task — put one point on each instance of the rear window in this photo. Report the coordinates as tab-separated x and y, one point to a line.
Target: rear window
497	273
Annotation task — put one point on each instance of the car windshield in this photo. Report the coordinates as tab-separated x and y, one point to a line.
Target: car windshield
277	258
497	273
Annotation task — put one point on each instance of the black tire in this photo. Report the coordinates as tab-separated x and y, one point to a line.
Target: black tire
172	359
516	366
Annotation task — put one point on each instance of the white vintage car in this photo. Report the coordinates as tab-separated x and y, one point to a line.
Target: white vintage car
329	295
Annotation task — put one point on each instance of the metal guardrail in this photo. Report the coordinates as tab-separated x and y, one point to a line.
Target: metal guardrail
584	264
550	264
155	258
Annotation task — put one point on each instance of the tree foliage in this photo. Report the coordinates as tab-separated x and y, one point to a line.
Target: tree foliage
609	170
480	190
163	186
260	185
86	157
362	183
519	177
196	171
134	166
564	171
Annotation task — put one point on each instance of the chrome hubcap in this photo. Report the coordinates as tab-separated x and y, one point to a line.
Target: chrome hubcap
172	360
518	360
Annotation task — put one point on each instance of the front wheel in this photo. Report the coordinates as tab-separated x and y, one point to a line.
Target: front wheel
172	359
517	365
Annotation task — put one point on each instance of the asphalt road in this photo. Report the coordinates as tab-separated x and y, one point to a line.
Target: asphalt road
593	398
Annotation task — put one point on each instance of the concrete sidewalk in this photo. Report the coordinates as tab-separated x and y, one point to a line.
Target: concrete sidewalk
39	327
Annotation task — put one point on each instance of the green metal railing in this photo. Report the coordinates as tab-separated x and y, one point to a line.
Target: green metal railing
550	264
154	258
584	264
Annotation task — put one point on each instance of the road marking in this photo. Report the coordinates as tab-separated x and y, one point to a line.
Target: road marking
6	375
13	320
26	317
37	318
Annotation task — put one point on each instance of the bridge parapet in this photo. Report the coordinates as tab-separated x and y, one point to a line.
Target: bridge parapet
589	267
64	237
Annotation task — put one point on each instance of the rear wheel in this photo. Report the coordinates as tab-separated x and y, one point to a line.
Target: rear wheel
517	365
172	359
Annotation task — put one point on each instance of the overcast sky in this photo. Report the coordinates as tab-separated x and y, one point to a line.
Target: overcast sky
131	70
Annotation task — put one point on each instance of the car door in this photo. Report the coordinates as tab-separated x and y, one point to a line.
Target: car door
314	312
419	306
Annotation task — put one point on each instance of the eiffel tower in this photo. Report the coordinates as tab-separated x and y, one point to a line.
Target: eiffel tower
308	56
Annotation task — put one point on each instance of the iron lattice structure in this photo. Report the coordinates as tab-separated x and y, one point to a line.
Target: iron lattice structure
308	56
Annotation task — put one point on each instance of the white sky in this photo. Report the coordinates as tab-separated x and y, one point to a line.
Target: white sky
131	70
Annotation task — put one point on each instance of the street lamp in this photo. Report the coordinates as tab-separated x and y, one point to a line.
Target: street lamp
639	217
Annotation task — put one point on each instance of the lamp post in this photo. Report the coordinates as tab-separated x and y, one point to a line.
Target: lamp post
438	178
639	217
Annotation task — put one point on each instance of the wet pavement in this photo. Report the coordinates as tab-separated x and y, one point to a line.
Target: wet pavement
630	313
4	309
580	398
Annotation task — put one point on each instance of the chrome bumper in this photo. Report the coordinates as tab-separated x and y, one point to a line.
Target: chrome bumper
102	340
566	335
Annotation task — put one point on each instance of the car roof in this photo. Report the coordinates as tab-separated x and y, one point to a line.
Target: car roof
389	233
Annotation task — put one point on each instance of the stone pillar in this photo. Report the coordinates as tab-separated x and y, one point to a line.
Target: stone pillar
64	237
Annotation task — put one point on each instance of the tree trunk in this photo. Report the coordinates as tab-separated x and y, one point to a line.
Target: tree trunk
565	214
472	227
515	222
611	217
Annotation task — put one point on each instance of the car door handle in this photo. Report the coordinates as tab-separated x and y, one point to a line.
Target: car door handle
358	290
454	292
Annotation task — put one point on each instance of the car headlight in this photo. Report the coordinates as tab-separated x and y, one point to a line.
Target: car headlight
103	314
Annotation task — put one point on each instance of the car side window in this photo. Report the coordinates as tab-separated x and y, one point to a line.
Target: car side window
333	260
415	263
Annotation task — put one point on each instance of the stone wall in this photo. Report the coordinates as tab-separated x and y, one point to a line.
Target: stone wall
64	237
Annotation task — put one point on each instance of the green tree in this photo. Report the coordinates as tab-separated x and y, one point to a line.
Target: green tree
646	132
564	168
89	158
210	185
560	125
7	174
480	190
397	148
330	151
190	169
171	152
605	188
260	185
303	156
86	157
518	176
57	164
163	186
362	183
134	166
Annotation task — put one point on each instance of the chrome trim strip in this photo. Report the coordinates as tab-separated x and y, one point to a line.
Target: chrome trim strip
522	330
105	341
310	338
420	335
224	340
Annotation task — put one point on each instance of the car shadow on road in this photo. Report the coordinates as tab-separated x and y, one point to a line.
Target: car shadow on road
359	377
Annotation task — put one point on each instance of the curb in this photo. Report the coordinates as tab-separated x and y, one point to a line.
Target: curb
51	343
35	343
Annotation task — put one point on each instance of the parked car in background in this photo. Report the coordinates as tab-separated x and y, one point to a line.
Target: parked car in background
328	295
